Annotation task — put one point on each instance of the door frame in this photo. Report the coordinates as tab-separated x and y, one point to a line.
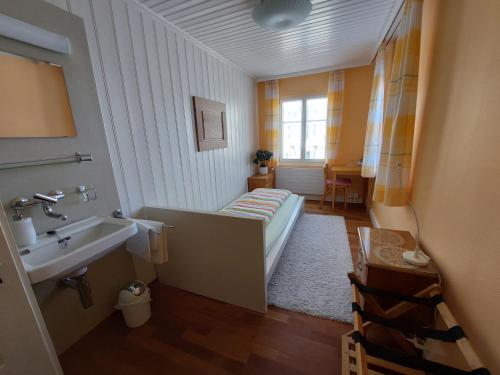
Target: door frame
25	343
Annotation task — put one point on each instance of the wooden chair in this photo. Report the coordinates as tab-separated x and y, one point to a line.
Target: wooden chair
330	186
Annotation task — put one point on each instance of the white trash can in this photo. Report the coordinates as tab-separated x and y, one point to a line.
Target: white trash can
134	302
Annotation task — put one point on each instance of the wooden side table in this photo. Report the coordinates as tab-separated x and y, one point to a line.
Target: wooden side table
380	263
261	181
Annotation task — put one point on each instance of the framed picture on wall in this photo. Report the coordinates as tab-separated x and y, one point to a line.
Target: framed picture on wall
210	124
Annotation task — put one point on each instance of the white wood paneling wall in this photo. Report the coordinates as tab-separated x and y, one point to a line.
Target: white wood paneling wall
146	72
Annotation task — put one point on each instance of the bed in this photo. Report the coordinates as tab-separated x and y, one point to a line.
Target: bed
227	256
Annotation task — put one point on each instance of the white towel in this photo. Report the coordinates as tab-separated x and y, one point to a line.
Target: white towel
150	242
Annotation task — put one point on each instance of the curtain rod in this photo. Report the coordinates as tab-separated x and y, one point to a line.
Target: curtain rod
391	30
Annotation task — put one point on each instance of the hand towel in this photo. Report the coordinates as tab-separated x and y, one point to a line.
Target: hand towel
150	242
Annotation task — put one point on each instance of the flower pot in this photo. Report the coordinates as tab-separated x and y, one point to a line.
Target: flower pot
263	170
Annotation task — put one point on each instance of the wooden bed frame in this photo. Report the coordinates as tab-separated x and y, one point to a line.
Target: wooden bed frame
220	256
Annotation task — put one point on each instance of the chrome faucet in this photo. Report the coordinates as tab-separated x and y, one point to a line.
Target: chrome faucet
47	202
49	211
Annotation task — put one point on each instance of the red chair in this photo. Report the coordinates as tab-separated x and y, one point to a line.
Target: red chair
340	183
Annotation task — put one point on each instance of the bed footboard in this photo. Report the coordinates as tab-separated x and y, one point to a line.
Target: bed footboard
214	255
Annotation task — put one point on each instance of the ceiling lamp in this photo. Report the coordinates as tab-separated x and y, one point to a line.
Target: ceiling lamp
279	15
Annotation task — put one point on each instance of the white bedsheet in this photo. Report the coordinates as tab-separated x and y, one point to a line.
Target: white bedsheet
279	222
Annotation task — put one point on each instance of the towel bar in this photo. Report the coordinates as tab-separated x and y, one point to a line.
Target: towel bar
163	226
75	158
117	214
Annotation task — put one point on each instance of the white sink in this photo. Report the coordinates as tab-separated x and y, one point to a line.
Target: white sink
90	239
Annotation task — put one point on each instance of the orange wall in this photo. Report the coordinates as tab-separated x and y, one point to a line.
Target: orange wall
357	89
456	175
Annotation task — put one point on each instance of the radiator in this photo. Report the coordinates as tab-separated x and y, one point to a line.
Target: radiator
309	181
304	181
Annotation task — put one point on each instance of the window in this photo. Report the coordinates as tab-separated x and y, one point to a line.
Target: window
303	129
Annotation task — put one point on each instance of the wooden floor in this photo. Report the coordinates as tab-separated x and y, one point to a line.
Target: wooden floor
189	334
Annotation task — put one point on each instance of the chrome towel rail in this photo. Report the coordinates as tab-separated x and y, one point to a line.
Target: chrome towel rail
76	158
117	214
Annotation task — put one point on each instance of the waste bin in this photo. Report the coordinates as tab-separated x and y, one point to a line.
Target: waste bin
134	302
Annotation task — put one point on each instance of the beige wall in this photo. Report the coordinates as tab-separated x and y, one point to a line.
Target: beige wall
357	89
456	174
66	319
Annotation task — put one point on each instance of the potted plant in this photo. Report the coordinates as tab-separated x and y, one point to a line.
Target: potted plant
262	158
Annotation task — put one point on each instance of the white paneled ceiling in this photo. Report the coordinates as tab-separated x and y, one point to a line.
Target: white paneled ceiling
337	33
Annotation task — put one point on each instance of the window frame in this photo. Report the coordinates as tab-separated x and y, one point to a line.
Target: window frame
302	160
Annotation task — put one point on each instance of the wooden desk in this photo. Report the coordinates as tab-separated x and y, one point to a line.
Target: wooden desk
348	170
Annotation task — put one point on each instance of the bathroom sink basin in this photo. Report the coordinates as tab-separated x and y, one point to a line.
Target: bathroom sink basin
74	246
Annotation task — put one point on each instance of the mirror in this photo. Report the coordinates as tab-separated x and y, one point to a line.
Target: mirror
34	100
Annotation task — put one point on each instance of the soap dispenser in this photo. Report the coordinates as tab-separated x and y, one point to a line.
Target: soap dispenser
23	230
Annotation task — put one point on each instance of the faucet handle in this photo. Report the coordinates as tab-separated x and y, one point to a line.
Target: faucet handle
19	202
45	198
87	192
57	194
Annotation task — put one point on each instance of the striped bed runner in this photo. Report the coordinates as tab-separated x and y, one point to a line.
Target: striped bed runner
260	203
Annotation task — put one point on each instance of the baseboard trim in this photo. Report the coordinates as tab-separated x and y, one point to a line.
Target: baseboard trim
373	218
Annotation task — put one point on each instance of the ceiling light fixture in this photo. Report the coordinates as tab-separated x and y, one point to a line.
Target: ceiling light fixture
279	15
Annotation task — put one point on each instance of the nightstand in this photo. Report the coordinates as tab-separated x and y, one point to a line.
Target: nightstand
261	181
380	263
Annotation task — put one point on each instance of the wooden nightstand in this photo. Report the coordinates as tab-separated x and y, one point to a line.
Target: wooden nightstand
261	181
380	263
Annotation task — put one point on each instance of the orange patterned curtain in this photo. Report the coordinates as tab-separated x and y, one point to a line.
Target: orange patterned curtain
272	122
334	115
393	175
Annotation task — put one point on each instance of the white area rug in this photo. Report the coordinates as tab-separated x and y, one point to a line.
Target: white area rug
311	276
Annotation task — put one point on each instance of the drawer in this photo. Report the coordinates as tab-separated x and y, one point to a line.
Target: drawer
262	183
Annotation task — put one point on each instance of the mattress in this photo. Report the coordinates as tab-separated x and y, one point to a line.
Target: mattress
261	203
279	221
